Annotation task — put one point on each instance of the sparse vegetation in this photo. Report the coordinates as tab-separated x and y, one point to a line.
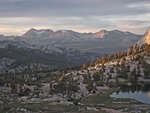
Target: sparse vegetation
74	88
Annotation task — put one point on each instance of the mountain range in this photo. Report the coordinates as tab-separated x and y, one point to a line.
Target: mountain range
99	42
63	47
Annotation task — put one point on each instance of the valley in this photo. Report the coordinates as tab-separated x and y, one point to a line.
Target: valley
74	56
87	88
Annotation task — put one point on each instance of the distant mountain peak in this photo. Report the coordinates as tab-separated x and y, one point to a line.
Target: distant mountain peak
100	34
35	33
145	38
32	29
46	36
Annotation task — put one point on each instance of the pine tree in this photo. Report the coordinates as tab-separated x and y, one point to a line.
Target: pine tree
103	60
91	64
133	77
136	48
13	88
98	61
118	55
90	85
84	67
130	50
133	53
110	57
115	56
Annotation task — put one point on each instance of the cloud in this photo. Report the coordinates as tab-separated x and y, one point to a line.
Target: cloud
79	15
73	7
91	24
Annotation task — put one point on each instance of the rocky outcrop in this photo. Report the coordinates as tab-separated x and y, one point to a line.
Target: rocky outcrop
145	38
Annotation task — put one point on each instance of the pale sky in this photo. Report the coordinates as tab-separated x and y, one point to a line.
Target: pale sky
18	16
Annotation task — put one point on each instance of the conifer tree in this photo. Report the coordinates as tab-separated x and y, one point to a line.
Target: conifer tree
84	67
130	50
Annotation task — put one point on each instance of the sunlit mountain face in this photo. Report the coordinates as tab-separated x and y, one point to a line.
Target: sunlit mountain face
99	42
145	38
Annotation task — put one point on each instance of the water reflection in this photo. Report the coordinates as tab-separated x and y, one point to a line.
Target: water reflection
135	88
138	92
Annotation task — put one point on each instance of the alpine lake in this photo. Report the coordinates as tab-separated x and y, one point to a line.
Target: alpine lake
138	92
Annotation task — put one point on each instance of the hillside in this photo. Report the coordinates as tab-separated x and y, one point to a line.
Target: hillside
26	56
89	88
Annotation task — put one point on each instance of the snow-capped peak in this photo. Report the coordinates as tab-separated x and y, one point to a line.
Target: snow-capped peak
64	31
